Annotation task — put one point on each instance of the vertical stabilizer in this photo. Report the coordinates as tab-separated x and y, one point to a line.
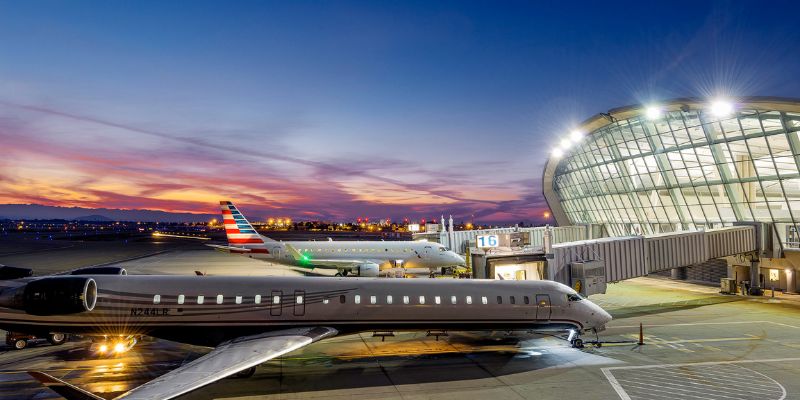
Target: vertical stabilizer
239	231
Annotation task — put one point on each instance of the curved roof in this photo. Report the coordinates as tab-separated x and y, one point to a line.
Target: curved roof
601	120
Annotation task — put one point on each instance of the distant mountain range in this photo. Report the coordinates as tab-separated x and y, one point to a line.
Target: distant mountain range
36	211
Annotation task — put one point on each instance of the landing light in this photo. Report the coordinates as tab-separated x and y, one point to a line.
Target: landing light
721	108
119	347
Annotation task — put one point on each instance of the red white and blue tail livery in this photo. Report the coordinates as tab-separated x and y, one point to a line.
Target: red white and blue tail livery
242	237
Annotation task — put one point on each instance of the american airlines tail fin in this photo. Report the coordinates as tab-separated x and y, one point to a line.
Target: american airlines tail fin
240	233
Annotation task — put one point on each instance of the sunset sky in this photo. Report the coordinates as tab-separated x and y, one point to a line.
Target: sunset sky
335	110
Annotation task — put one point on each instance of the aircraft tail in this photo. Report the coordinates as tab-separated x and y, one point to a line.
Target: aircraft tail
239	231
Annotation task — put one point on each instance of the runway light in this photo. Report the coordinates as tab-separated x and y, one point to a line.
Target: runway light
721	108
576	136
653	112
557	153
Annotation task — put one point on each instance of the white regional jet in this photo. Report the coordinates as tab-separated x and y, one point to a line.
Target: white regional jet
251	320
361	258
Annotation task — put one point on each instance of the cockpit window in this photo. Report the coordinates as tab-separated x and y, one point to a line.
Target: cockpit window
574	297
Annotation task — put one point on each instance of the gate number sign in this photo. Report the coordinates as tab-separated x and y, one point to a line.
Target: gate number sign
488	241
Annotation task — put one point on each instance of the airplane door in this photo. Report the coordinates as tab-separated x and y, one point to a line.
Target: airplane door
299	303
277	303
543	309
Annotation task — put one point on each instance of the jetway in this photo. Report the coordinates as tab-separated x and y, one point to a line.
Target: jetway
635	256
461	241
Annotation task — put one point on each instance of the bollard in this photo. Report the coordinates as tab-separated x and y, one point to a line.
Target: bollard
641	334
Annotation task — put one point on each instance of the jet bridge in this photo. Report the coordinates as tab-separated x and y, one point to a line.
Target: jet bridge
635	256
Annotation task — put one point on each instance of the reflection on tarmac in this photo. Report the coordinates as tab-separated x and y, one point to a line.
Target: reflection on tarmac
342	363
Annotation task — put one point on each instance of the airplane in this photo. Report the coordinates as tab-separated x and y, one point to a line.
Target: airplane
362	258
251	320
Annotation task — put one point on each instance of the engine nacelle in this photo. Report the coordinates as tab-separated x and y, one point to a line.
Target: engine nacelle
100	271
370	270
52	296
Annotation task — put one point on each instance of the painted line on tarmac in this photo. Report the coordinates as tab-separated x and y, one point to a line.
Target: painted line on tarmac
705	323
623	394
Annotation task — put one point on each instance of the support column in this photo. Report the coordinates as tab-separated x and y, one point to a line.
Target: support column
679	273
791	280
755	278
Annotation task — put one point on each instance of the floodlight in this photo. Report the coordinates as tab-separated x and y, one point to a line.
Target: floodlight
653	112
576	135
565	143
557	153
721	108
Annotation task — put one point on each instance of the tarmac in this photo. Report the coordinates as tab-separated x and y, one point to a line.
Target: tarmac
698	344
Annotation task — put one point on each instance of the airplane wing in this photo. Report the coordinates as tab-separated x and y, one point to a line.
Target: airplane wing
225	360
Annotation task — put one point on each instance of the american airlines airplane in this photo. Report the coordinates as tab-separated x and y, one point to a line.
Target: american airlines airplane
361	258
250	320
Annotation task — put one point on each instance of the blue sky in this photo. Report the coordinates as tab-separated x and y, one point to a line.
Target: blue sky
336	110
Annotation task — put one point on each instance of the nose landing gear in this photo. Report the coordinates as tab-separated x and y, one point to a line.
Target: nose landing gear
574	339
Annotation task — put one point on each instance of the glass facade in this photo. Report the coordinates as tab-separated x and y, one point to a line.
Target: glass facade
685	170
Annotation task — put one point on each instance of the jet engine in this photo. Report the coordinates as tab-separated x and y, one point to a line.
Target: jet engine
52	296
370	270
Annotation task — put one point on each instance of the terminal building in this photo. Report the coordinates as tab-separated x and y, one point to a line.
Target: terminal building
690	188
688	165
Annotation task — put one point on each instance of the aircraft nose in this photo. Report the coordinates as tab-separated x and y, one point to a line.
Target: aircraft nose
461	261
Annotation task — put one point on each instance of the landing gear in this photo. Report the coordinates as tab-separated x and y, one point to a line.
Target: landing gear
245	373
20	344
57	338
574	339
341	273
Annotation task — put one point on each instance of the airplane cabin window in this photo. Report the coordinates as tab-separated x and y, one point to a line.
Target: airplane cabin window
157	299
512	300
257	300
421	299
389	299
373	299
469	299
499	299
276	299
219	299
484	300
453	299
437	299
181	298
200	299
405	299
238	299
298	299
526	300
358	299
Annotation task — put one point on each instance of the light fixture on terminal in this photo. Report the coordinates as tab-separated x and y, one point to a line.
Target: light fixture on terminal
565	143
576	136
721	108
653	112
557	152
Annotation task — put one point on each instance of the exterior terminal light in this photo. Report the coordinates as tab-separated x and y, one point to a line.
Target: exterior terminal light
721	108
653	112
576	136
557	153
565	143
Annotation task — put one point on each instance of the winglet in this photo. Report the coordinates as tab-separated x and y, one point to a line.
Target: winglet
66	390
